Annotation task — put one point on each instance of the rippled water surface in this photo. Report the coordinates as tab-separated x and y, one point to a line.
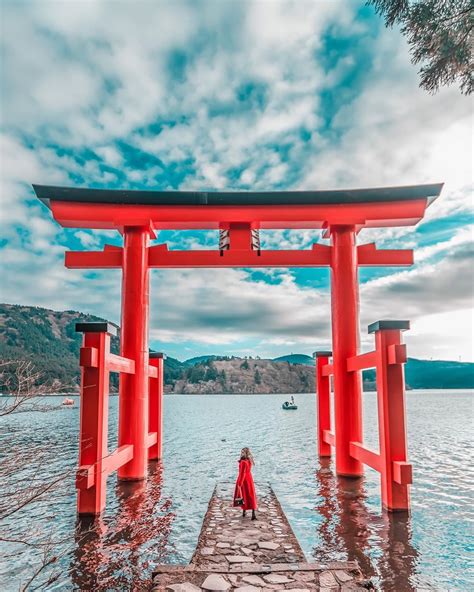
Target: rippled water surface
159	520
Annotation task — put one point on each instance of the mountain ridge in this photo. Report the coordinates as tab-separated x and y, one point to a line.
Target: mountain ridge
48	338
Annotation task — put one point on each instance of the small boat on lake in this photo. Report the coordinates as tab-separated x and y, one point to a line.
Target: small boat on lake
288	405
68	402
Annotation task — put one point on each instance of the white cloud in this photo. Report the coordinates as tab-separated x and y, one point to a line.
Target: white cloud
110	155
86	74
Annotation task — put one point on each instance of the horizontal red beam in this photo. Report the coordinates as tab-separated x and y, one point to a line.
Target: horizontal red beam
365	455
119	364
121	456
160	257
362	361
93	259
369	255
85	475
319	256
327	370
152	438
329	437
370	214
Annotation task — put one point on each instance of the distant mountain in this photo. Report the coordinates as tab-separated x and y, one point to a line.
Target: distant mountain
48	339
199	360
419	374
296	359
244	376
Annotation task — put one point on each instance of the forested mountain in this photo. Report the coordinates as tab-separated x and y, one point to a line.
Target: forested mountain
48	339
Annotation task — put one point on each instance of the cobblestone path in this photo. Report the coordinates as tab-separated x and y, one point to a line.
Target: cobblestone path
238	554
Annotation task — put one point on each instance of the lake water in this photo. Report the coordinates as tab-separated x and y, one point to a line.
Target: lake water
159	521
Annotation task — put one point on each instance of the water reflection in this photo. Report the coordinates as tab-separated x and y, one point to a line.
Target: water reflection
349	531
115	553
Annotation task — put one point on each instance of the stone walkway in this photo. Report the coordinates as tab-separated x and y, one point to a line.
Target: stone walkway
240	555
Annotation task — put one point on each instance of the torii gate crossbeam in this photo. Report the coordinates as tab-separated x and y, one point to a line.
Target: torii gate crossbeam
239	216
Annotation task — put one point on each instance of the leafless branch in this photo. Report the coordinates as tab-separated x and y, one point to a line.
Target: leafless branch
22	383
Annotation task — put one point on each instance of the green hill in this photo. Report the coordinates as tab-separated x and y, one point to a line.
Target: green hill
48	339
419	374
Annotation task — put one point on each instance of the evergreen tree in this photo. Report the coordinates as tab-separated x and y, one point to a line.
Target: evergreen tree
439	34
257	377
222	377
211	372
196	373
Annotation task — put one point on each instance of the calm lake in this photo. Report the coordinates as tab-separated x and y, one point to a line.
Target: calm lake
334	519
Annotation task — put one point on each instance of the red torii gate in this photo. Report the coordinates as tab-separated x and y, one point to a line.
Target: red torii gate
239	216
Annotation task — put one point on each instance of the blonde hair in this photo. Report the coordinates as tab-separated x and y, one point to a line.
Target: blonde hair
246	454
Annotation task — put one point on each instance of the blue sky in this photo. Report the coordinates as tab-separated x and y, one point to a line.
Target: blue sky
236	95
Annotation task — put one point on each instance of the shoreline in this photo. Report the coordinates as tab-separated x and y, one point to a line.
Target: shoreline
77	394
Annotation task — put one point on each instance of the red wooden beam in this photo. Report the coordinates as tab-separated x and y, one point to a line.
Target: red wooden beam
160	256
93	259
368	256
121	456
151	439
89	357
152	371
109	215
319	255
362	361
402	472
85	477
329	437
397	354
365	455
119	364
327	370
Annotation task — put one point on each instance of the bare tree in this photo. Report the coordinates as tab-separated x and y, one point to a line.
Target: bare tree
22	489
23	385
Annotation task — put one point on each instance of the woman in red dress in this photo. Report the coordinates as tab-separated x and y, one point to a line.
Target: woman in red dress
244	493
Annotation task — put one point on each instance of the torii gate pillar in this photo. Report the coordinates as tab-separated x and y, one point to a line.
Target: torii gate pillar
133	404
345	339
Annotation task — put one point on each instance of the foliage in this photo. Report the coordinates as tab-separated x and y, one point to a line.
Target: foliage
222	377
439	34
211	373
257	377
47	339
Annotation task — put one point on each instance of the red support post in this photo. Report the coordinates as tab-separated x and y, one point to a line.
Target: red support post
91	478
155	409
345	338
395	470
323	390
133	403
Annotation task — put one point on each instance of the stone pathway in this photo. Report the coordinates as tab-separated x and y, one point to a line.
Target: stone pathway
240	555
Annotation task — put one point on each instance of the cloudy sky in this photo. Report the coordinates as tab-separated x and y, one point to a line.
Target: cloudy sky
235	95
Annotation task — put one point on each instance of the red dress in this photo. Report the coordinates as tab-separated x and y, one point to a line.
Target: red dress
245	487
